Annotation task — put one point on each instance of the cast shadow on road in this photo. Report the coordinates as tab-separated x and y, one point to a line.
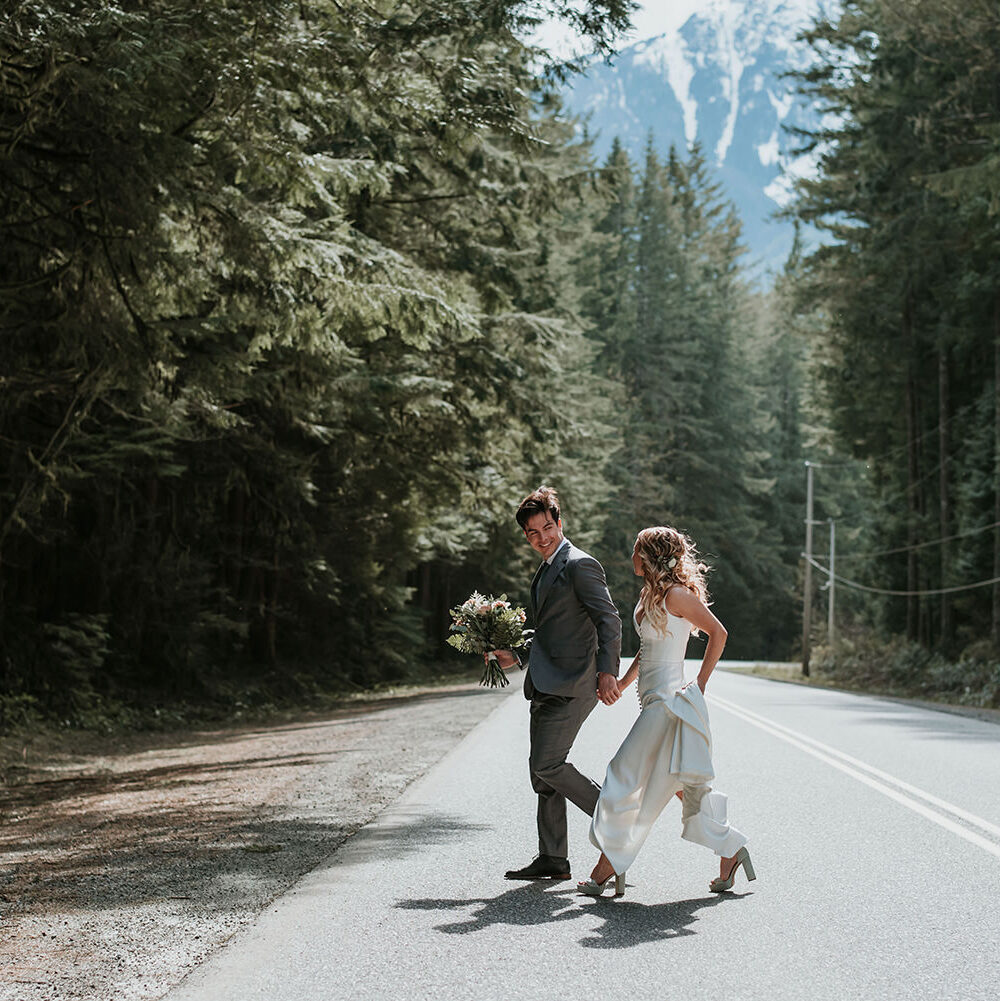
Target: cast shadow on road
626	923
525	904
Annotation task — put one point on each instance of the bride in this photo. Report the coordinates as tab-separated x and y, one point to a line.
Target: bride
668	751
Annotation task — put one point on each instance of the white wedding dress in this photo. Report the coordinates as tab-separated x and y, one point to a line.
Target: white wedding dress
668	748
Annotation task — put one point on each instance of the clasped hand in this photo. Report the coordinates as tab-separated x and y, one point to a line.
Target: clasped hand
607	688
608	691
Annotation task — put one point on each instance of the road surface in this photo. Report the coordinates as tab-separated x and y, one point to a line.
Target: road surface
874	828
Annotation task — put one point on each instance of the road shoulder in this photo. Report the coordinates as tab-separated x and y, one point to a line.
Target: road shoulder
120	873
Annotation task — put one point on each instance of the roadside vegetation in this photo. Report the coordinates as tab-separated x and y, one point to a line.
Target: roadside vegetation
297	301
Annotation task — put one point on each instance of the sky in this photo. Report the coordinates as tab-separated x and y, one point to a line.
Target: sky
662	15
653	18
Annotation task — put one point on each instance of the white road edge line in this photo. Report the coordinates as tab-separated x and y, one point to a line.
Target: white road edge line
831	755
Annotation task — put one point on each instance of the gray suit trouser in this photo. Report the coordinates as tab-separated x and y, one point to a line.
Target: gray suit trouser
555	722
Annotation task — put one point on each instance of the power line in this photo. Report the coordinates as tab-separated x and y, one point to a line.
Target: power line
906	594
919	545
884	498
869	460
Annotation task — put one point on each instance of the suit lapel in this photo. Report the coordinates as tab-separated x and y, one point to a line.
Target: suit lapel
558	565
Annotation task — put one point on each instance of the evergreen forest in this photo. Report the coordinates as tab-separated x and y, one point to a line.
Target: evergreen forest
298	300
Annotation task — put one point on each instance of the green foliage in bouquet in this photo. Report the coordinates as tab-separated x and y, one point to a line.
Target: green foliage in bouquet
482	624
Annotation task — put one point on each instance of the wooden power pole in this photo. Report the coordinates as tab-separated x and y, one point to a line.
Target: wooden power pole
807	584
831	633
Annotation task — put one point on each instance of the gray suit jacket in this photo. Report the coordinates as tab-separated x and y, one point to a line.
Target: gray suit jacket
577	628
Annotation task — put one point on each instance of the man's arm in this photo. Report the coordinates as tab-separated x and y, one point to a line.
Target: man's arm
591	588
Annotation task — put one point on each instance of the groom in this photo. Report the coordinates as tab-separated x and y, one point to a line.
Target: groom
573	662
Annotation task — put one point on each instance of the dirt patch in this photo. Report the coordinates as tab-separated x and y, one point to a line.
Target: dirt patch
120	872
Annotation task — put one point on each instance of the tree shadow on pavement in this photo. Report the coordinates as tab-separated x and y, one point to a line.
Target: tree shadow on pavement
30	755
216	859
627	923
929	720
51	792
403	831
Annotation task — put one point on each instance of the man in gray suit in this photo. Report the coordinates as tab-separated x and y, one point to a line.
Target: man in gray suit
572	663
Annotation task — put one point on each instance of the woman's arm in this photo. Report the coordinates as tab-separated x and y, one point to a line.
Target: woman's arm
681	601
630	675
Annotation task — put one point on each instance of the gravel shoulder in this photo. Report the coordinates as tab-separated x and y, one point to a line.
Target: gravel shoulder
120	872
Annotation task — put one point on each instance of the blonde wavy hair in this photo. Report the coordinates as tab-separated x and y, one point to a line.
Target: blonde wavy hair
668	559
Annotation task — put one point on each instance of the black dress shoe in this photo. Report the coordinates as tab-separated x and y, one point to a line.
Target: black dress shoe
544	867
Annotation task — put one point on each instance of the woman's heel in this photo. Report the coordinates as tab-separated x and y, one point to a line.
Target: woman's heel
595	889
741	858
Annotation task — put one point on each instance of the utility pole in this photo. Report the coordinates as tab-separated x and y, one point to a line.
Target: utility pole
830	631
807	586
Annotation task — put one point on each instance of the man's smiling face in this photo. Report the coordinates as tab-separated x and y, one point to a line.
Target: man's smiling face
543	534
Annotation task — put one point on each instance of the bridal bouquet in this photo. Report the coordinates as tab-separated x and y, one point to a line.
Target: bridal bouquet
484	624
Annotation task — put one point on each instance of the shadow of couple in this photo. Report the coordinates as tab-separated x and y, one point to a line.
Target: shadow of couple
625	923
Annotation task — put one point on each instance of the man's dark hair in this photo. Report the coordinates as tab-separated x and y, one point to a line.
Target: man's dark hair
544	500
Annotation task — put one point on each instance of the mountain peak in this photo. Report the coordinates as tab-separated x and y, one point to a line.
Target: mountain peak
715	80
729	35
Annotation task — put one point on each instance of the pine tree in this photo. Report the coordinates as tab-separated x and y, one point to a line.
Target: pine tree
275	325
909	289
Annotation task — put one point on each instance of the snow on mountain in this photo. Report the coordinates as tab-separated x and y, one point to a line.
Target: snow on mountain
716	79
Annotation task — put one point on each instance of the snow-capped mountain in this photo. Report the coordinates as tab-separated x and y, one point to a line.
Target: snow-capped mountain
717	80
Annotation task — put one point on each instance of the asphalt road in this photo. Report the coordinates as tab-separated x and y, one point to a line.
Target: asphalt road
874	828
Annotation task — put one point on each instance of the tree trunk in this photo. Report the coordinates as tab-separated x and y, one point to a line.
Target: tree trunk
945	499
426	591
912	480
238	519
272	610
995	632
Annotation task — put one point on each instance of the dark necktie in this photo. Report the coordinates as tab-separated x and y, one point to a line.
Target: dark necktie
541	581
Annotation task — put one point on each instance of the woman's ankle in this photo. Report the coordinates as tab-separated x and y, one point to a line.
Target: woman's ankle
602	871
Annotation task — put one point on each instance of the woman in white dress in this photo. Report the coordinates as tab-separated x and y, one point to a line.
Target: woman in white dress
668	751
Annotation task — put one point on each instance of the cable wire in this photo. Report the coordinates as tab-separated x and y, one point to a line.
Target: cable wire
906	594
918	545
868	461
